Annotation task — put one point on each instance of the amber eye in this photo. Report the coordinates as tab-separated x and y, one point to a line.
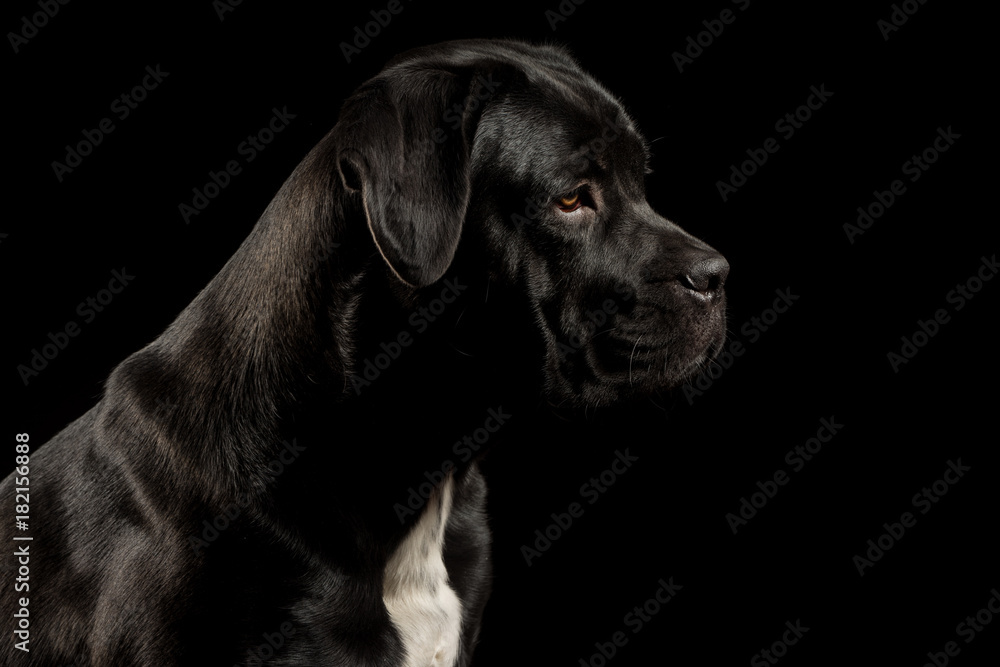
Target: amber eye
569	202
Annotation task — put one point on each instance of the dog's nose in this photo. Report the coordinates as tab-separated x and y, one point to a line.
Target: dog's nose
707	273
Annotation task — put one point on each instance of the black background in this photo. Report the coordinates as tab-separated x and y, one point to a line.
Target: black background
666	516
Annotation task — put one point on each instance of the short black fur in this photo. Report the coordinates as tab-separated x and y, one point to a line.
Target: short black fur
257	403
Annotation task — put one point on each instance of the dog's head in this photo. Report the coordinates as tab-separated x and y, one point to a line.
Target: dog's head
515	145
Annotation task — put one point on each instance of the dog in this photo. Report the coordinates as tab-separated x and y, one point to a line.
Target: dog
475	223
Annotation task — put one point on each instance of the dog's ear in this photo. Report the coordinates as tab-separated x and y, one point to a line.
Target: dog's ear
404	140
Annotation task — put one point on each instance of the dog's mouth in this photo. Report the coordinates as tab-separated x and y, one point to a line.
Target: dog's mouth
630	357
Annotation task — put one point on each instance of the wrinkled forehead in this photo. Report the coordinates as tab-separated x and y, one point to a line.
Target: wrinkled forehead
559	128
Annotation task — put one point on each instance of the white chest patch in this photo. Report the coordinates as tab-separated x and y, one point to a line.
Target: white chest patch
421	604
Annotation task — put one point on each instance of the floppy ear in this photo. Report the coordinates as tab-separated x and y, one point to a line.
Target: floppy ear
404	140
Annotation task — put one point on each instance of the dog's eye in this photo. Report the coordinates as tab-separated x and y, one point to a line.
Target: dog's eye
570	202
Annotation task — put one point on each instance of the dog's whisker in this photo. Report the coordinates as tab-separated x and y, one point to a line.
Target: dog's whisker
462	352
631	357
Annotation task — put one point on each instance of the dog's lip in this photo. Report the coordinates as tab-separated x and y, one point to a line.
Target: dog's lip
638	344
630	357
657	347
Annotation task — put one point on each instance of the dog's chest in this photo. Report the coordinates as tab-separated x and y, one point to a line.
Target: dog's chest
423	607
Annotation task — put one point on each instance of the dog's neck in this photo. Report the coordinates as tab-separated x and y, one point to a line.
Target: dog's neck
273	348
263	343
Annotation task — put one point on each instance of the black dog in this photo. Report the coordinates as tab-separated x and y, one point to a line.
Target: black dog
239	492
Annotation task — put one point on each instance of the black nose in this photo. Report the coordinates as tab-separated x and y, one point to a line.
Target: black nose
706	274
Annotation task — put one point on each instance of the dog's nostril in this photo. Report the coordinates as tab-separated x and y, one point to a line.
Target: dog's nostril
706	275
